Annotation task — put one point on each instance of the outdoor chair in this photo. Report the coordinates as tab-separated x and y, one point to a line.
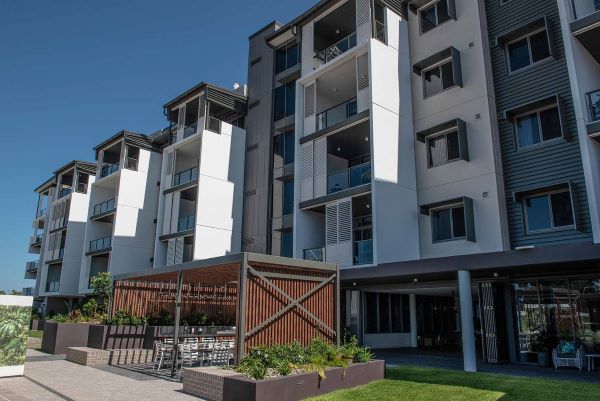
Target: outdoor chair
189	355
222	353
568	354
164	354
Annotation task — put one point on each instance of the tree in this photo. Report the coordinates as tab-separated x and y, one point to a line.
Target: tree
101	285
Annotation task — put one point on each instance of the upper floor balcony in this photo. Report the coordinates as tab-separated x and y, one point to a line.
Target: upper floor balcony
74	177
586	25
100	244
185	176
335	34
32	266
336	114
36	240
314	254
28	291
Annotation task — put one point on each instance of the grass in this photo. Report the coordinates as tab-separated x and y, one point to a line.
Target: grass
36	333
409	383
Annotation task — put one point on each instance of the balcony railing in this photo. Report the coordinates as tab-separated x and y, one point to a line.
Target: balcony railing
131	163
363	252
190	130
107	169
213	124
64	192
185	176
349	178
314	254
52	286
336	114
36	240
32	266
593	99
582	8
28	291
325	56
104	207
186	223
100	244
380	31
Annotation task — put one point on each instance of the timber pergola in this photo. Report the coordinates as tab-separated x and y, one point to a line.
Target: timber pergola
272	299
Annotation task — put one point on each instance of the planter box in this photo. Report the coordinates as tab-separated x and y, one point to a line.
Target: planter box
223	385
60	336
37	324
116	337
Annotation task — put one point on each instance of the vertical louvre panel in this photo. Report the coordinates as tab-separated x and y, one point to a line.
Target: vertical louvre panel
362	73
320	167
488	312
345	221
462	139
456	67
363	12
306	173
167	214
438	150
171	252
331	228
469	219
178	250
181	118
309	100
170	163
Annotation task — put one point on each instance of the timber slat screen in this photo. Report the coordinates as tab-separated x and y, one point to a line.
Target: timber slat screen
280	300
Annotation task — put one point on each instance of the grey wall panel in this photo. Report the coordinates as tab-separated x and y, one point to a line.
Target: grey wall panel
547	163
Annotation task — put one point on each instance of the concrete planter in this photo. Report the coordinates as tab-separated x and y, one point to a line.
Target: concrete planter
37	324
227	386
60	336
102	336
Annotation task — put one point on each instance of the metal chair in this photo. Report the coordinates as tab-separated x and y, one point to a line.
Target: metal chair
164	354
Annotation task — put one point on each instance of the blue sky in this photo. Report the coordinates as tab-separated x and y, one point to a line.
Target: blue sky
73	73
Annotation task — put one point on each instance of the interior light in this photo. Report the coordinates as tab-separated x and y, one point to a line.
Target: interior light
368	206
366	139
337	31
339	149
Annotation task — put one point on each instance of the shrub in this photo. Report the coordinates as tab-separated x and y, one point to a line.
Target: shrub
101	285
123	318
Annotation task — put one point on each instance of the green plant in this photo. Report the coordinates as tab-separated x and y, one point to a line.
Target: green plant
123	318
163	318
91	308
14	325
101	286
198	319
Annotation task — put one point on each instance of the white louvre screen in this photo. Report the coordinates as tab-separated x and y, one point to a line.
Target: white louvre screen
320	167
178	250
363	12
438	150
362	71
171	252
306	173
345	221
331	229
170	163
309	100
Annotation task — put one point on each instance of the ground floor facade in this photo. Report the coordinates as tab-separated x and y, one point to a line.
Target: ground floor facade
513	307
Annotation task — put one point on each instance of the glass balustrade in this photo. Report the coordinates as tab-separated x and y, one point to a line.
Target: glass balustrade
186	223
52	286
363	252
349	178
104	207
64	192
380	31
594	105
100	244
582	8
314	254
213	124
108	169
131	163
339	48
190	130
336	114
185	176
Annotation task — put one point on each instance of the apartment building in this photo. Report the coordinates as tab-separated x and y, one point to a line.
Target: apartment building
202	176
444	157
120	228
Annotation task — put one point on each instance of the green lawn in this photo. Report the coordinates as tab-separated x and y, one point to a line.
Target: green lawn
409	383
36	333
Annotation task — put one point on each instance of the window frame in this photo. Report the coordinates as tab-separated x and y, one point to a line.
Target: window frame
537	111
445	132
434	4
432	67
528	36
548	194
451	207
286	48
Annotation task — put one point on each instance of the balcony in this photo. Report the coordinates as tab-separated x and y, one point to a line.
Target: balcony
100	244
213	124
64	192
32	267
52	286
186	223
42	213
185	176
36	240
314	254
363	252
586	25
335	50
349	178
107	169
104	207
336	114
593	103
28	291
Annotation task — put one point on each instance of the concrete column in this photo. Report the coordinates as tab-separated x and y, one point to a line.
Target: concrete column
412	302
466	320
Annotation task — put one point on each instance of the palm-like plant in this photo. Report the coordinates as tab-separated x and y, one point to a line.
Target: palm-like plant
14	322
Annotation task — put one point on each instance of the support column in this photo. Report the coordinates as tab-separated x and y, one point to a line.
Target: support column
412	303
177	317
466	321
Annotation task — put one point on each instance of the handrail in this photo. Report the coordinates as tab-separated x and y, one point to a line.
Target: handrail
186	223
103	207
32	265
185	176
314	254
64	192
107	169
593	99
335	50
349	177
337	113
100	244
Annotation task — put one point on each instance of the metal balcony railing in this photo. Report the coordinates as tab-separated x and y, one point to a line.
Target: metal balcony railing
131	163
28	291
363	252
213	124
593	99
349	178
107	169
42	212
336	114
314	254
380	31
104	207
100	244
52	286
64	192
582	8
333	51
36	240
186	223
32	266
190	130
185	176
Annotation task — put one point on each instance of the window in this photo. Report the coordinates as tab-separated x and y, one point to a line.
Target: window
438	78
548	211
288	197
538	126
386	313
449	223
286	57
435	14
287	244
285	100
528	50
443	149
283	146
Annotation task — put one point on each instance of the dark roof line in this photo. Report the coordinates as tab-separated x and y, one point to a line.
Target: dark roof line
299	20
198	88
75	163
48	183
274	23
117	135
